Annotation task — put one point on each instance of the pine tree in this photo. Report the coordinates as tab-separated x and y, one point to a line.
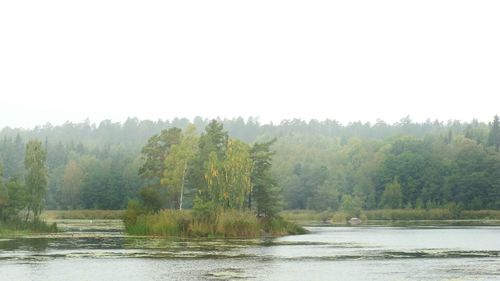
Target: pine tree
265	189
4	196
494	137
212	141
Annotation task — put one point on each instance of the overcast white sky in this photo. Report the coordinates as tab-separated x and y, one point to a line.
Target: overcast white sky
345	60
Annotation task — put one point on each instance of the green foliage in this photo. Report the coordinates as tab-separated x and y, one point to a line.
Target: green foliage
36	176
237	171
17	199
71	188
154	152
211	152
155	194
302	216
278	226
342	217
228	179
408	214
4	195
224	172
234	223
204	210
494	136
176	164
37	225
455	209
452	212
392	198
13	198
351	206
265	189
315	163
134	210
227	167
152	198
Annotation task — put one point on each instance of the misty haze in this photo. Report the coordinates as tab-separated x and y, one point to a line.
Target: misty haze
260	140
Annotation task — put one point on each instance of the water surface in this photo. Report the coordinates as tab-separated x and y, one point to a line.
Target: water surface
98	250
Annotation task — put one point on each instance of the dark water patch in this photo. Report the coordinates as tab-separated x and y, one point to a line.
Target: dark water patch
487	268
188	255
292	243
391	255
350	246
86	226
441	254
39	244
227	274
216	255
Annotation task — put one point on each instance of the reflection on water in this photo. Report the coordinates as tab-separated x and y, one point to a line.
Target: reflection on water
98	250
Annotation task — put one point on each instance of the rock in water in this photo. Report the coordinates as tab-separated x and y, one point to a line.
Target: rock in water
354	221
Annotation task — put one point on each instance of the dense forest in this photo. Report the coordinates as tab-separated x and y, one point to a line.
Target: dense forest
320	165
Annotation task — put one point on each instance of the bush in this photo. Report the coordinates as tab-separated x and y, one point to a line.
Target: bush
339	218
280	226
133	211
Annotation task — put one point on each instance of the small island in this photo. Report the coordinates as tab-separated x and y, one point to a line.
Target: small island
225	183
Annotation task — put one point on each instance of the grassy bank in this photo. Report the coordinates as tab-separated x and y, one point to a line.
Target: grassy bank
308	216
227	224
83	214
302	216
19	227
432	214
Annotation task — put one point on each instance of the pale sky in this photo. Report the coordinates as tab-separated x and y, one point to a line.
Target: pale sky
346	60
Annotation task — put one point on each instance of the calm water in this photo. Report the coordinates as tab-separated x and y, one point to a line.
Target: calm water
97	250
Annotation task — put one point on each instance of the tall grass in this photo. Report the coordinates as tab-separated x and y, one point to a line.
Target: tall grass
431	214
301	215
343	218
279	226
309	216
226	224
18	226
481	214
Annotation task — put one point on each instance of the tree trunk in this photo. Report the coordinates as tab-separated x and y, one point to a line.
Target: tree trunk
250	200
28	214
182	185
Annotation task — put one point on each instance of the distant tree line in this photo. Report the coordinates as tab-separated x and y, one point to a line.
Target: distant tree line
321	165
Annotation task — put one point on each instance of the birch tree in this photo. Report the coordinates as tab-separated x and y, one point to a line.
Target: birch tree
35	177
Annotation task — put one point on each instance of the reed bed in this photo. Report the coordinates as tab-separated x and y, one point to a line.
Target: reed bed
225	224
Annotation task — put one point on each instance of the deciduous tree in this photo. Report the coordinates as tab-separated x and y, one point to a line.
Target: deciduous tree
35	177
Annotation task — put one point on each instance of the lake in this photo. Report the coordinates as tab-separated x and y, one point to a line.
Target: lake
97	250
